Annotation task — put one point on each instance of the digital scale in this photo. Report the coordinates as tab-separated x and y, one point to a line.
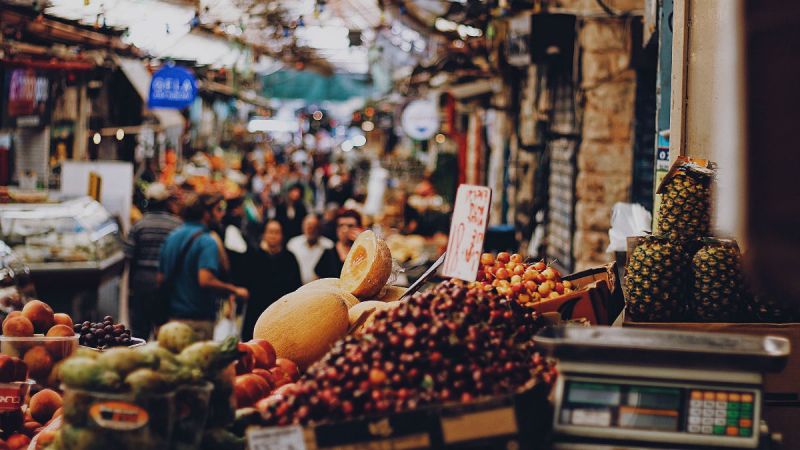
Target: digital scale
624	388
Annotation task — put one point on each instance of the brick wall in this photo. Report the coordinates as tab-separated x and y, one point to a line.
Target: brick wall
605	157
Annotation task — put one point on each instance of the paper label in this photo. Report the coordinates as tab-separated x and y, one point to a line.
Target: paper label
276	438
10	399
118	416
467	232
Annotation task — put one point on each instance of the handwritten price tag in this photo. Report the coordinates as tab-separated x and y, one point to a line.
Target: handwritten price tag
281	438
467	232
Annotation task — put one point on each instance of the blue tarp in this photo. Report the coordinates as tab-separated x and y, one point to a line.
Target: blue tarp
313	87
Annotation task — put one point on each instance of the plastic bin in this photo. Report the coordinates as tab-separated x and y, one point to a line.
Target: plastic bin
191	414
43	354
117	421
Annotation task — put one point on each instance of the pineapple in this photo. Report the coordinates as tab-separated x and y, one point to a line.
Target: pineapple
718	282
654	282
685	211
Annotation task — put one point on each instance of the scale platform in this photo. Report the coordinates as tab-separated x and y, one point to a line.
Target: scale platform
622	388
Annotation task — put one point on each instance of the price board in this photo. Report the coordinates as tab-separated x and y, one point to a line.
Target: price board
467	232
276	438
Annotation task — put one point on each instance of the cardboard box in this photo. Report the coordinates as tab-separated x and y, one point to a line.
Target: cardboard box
598	298
520	420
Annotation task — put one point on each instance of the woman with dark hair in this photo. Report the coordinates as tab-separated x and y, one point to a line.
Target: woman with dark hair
273	273
348	227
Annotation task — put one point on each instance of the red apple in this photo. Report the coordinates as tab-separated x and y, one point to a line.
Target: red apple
249	388
279	377
540	266
264	373
559	288
289	367
246	361
269	349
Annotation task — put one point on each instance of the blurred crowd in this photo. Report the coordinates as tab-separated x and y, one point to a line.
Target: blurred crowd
232	252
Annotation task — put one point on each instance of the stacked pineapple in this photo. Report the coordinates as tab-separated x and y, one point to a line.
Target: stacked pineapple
681	273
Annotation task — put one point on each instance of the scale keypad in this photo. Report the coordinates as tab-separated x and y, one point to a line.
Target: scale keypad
721	413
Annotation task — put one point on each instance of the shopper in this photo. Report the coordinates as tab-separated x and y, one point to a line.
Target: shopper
191	267
309	247
292	212
348	227
142	249
274	272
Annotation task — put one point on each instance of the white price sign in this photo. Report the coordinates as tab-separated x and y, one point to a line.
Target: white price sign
467	232
281	438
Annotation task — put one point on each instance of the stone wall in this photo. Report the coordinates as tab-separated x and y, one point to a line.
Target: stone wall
605	157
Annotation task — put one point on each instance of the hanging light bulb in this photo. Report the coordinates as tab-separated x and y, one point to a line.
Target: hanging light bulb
97	138
120	134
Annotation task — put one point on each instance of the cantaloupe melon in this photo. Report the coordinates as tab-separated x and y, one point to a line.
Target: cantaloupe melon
392	293
322	283
367	266
330	285
302	326
363	314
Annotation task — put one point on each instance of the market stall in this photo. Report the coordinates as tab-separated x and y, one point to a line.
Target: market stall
72	248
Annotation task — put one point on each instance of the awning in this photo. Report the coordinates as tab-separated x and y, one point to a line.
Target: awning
140	77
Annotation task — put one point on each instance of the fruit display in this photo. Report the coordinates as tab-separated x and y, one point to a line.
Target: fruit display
453	343
102	335
655	281
162	387
718	282
259	372
527	283
685	211
41	338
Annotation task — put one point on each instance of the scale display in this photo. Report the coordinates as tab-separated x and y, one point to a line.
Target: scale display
658	408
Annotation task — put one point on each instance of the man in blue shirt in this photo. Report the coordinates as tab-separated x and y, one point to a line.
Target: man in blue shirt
198	284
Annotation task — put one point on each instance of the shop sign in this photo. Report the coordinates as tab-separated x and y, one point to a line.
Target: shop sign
519	37
28	97
467	232
420	119
172	87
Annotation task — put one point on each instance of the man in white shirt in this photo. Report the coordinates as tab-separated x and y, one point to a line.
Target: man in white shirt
308	247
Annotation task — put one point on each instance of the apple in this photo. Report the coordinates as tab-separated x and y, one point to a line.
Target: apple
269	349
279	377
539	265
249	388
246	361
549	273
503	257
289	367
264	373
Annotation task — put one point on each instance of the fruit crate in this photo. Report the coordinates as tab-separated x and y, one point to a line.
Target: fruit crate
598	297
512	421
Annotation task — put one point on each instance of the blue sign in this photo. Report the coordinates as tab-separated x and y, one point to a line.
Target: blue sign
172	87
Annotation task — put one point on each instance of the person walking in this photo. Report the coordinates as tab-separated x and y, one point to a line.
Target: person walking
309	247
292	212
274	272
142	250
190	266
348	227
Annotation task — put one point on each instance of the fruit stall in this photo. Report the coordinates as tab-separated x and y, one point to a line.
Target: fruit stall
520	357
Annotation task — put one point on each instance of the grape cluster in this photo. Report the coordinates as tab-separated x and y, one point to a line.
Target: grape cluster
102	334
448	344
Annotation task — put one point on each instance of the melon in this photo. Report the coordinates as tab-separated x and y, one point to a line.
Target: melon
302	326
330	285
392	293
322	283
363	314
367	267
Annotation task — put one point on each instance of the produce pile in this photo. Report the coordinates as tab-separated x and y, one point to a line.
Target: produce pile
683	272
527	283
39	337
103	334
200	373
448	344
